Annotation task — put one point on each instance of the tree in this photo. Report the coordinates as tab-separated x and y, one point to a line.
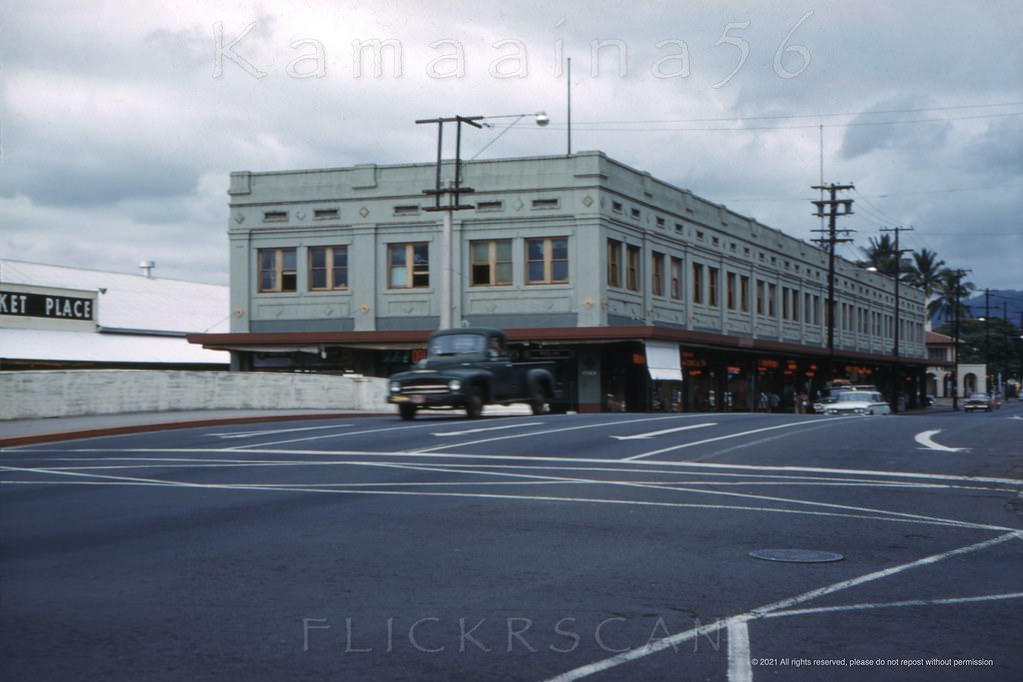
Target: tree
925	272
880	254
952	290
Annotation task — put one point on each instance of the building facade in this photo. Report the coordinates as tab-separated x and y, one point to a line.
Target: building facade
646	296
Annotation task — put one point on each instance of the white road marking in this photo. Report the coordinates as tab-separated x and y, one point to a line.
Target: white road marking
655	646
490	428
269	432
924	439
652	434
897	604
727	437
739	668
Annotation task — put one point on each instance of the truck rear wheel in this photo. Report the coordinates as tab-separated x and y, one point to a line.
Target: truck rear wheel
474	404
407	412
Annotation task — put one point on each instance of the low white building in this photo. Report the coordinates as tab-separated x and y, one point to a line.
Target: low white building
57	317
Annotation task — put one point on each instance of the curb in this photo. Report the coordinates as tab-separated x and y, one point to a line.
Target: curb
162	426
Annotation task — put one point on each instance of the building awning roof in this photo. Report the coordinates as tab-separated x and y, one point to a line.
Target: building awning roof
663	361
692	339
72	346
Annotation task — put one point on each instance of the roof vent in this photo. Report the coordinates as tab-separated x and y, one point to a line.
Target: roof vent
147	266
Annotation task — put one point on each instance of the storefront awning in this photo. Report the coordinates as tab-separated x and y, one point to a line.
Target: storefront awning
662	361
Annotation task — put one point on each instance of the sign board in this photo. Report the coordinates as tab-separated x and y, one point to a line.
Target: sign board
49	306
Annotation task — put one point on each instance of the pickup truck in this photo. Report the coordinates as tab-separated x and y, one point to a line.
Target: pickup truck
466	369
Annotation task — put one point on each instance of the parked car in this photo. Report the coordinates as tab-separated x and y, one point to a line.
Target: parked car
978	401
858	402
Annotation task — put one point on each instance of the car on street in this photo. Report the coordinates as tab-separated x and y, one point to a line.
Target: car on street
978	401
858	402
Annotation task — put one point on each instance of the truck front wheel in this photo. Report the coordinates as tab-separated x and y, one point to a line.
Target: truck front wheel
474	404
407	412
538	403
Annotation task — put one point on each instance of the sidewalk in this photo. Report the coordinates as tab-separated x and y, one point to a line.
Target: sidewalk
31	431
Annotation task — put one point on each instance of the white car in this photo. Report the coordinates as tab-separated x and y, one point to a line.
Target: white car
858	402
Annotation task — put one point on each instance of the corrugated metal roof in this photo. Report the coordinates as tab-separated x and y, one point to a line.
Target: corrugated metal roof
65	346
129	301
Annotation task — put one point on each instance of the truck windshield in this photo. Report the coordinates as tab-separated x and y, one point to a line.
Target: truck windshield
457	344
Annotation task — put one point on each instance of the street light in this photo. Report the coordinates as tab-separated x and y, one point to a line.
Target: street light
453	192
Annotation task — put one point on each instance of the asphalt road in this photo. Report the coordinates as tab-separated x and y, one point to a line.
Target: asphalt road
605	547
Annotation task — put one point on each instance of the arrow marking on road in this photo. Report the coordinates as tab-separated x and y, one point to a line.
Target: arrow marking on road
924	439
652	434
491	428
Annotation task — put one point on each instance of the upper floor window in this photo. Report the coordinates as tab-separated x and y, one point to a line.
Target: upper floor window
547	260
676	278
277	270
657	274
632	268
328	267
730	290
744	293
712	286
697	283
408	265
614	263
491	262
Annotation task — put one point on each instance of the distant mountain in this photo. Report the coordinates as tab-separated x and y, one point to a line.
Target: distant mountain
1012	299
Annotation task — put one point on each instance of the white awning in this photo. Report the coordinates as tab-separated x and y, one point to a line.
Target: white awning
662	361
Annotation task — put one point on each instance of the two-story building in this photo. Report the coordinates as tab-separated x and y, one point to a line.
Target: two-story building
646	296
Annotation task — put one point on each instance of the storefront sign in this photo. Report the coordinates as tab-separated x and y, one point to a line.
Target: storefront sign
23	304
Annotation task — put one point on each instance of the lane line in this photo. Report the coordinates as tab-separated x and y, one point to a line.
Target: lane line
268	432
924	439
491	428
739	668
652	434
761	612
586	460
897	604
729	436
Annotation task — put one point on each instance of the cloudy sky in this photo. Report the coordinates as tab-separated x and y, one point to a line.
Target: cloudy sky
121	120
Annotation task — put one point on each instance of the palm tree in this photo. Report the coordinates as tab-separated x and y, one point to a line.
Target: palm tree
950	296
880	254
925	272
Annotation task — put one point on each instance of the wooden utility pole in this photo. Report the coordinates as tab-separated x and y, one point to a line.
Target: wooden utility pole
895	384
834	209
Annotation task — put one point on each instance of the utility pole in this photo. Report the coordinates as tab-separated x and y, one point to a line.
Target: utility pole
955	335
987	339
835	208
895	385
454	192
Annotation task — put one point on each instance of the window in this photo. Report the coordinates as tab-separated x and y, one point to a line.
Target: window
676	278
635	214
616	206
614	263
328	268
744	293
490	263
657	274
712	286
697	283
760	297
406	210
784	303
545	203
772	296
325	214
660	222
730	290
408	265
277	270
632	268
275	216
795	305
807	308
489	205
547	260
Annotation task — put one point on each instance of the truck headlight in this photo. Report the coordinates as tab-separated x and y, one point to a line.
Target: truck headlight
455	385
394	387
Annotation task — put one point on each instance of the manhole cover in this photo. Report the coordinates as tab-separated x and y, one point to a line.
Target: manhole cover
796	556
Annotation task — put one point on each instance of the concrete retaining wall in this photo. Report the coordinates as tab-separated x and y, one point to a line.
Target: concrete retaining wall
25	395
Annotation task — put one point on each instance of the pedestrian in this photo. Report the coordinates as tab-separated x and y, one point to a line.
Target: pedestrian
762	402
773	400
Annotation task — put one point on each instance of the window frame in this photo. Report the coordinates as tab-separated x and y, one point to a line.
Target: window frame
492	264
411	271
614	263
548	261
632	258
330	268
279	271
